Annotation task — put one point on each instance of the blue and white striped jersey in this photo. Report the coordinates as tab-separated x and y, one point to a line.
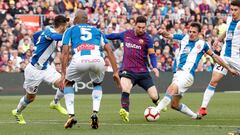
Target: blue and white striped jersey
231	47
85	40
190	53
45	43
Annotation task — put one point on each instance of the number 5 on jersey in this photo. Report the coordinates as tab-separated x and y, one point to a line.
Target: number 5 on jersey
85	34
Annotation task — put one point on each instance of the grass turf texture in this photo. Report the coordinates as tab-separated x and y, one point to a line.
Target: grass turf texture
224	116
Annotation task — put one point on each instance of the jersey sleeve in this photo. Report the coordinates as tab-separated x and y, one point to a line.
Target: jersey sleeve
36	36
53	36
56	36
178	36
66	37
151	52
114	36
150	43
103	40
229	20
206	47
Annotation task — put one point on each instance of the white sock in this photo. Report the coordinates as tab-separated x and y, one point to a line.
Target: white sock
69	99
185	110
209	92
164	102
59	95
22	104
96	97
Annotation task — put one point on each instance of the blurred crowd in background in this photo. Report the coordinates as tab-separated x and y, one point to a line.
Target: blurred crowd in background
16	46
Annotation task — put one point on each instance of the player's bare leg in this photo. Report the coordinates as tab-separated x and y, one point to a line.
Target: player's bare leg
153	94
209	92
166	100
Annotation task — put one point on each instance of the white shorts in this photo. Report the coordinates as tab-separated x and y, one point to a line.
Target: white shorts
233	62
87	64
34	76
183	80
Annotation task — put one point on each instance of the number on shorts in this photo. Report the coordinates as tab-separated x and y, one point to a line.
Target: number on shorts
219	67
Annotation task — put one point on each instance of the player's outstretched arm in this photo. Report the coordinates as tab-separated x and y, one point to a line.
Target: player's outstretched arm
115	36
65	58
56	36
219	39
221	62
165	34
153	60
113	62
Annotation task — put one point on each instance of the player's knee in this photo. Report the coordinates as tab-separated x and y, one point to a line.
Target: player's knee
96	84
31	90
156	100
31	97
152	92
170	92
154	97
69	83
126	84
213	83
174	106
97	87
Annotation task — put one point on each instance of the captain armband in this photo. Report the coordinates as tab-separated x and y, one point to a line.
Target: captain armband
153	59
212	54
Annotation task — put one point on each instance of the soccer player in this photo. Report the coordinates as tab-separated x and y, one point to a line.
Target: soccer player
87	44
191	52
38	69
138	45
230	54
55	104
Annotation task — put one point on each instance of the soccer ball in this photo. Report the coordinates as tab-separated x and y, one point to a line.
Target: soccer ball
151	114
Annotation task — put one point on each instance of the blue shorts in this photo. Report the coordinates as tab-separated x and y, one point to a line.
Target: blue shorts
144	80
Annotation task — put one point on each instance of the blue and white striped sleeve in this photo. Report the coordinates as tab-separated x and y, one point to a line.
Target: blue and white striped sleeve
36	36
56	36
115	36
49	35
178	36
206	47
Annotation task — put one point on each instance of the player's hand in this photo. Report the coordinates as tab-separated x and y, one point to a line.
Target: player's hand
156	72
215	44
160	31
116	78
61	84
234	72
164	33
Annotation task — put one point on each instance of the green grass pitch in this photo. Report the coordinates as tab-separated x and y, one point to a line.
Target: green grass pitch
224	116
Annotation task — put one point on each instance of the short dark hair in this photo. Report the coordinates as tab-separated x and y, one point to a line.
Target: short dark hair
196	25
235	3
59	20
141	19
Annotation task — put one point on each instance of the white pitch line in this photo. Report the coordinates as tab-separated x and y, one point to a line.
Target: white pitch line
230	92
197	120
53	122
